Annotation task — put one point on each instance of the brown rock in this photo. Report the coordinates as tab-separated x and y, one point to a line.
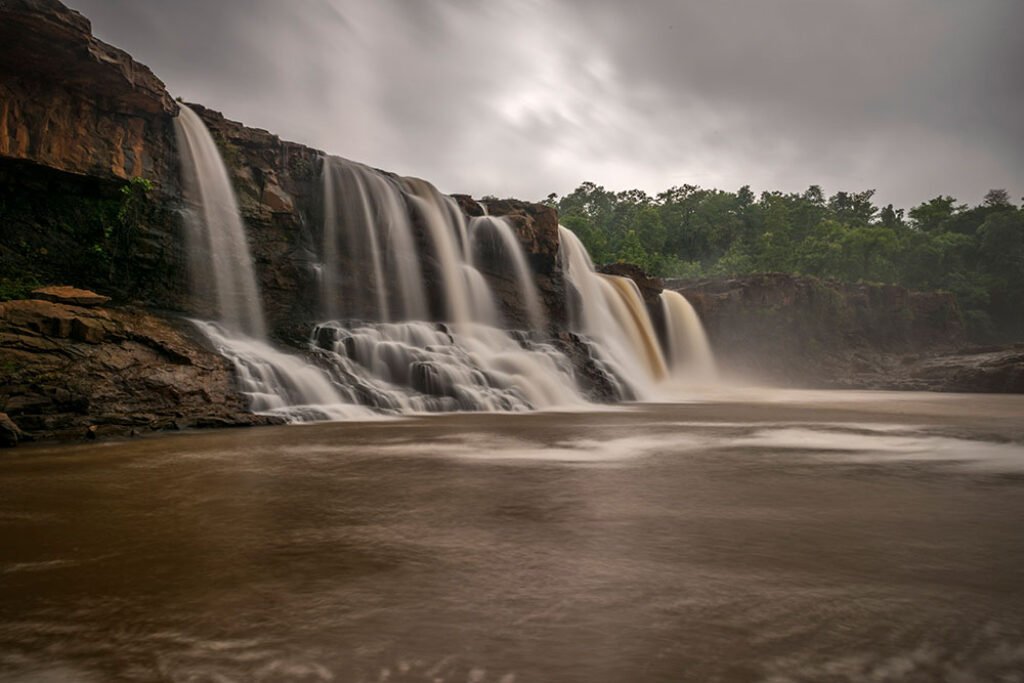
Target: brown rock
53	321
106	372
63	294
650	286
10	434
993	370
276	199
72	102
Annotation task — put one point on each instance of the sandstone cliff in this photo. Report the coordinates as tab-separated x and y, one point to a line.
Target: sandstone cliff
73	103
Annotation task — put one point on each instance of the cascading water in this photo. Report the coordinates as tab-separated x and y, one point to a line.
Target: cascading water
632	316
366	220
499	235
386	243
609	310
431	367
219	260
689	351
437	215
465	363
282	384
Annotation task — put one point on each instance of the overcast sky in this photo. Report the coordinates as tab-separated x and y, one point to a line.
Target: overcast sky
914	98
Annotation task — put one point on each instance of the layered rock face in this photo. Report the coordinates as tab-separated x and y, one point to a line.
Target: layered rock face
79	120
72	371
73	103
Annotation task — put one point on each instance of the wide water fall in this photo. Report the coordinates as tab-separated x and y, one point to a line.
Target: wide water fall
409	317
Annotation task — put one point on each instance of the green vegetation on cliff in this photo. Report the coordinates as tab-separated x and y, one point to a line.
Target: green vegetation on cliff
63	228
975	252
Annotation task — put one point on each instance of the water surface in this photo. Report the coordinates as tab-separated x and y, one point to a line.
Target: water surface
821	536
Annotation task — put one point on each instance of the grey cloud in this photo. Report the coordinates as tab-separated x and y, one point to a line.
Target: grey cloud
914	98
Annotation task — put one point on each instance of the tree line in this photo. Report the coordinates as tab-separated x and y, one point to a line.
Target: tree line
977	252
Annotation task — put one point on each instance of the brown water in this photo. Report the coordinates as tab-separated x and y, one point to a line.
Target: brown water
816	537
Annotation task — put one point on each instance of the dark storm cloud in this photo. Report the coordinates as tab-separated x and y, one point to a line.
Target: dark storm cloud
912	97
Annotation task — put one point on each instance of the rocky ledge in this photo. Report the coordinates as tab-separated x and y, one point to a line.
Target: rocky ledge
69	371
993	370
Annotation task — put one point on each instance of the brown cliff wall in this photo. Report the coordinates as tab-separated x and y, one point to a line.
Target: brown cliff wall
73	103
805	331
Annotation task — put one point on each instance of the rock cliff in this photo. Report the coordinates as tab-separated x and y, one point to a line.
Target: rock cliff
802	331
73	103
90	196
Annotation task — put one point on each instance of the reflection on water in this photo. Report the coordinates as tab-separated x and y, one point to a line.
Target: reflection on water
836	540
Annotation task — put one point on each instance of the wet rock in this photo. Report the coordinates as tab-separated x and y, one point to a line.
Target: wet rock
63	294
992	370
70	372
10	433
595	379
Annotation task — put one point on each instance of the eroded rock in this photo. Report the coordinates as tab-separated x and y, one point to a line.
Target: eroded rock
69	368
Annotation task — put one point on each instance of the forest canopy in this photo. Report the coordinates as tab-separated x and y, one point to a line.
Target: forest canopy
691	232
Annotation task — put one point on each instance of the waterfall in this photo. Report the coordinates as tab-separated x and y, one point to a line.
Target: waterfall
220	264
219	260
431	367
632	316
689	350
610	310
365	219
411	364
437	216
481	301
410	318
278	383
503	241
